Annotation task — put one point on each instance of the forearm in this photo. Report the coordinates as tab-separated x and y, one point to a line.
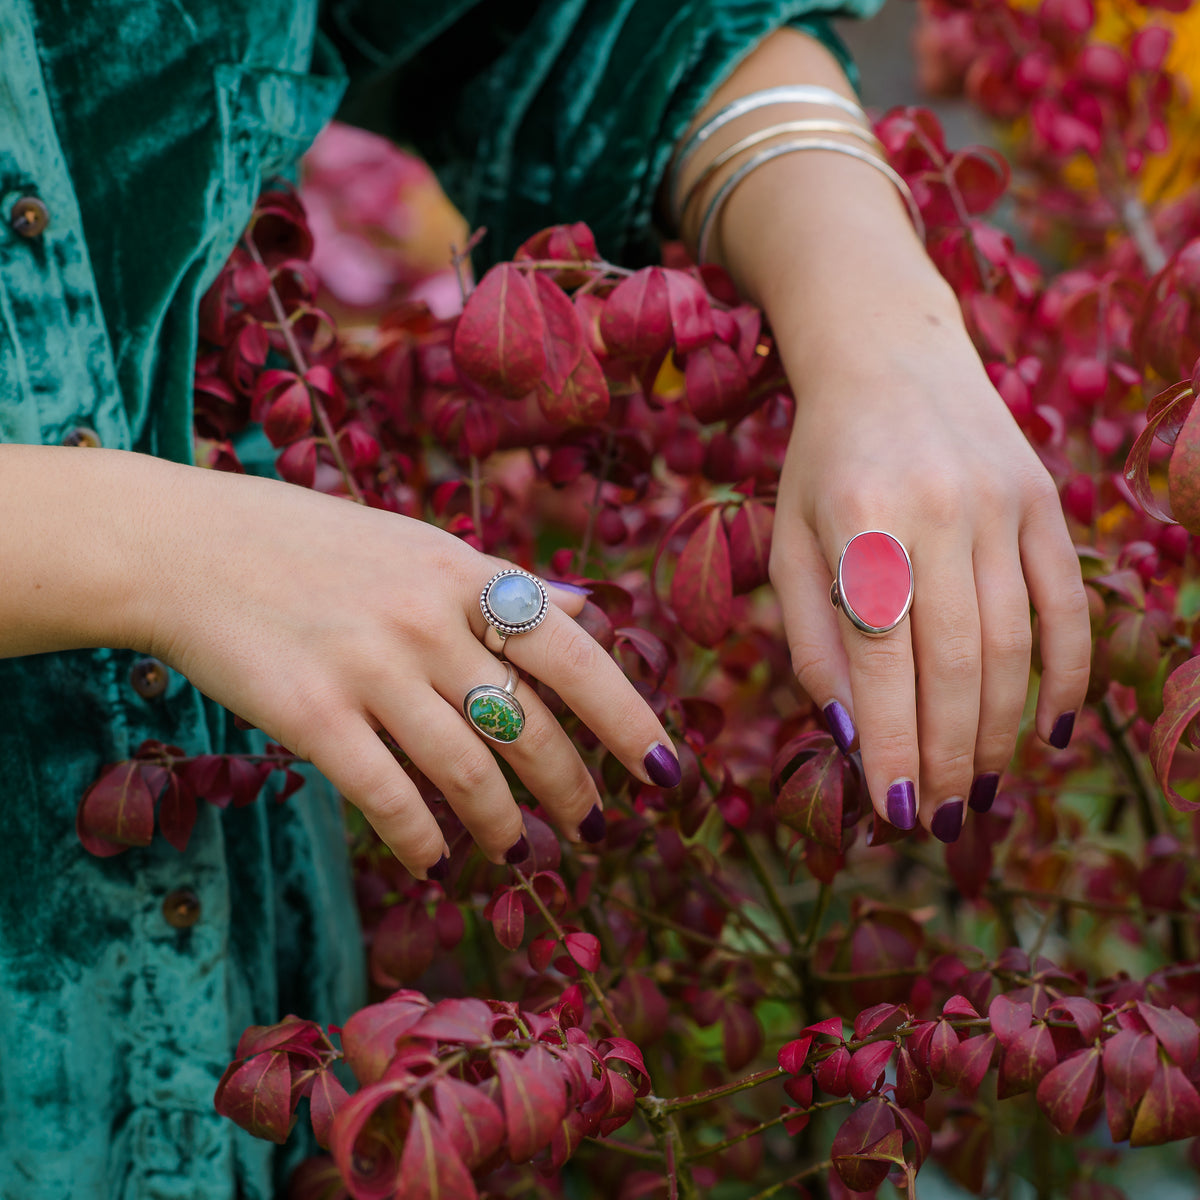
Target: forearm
78	541
822	242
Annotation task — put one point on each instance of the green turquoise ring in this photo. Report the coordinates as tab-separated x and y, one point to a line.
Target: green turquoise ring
495	712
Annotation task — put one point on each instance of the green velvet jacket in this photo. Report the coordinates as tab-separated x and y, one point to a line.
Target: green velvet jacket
147	128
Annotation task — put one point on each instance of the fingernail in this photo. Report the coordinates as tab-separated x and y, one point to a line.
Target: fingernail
902	804
662	766
518	851
591	828
1060	735
983	791
947	821
840	725
439	870
569	587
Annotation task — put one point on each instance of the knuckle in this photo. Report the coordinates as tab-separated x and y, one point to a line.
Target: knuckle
570	650
957	658
881	658
1011	643
892	747
809	663
468	771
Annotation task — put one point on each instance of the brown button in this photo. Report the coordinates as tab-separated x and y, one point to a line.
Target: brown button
181	908
149	678
81	435
29	217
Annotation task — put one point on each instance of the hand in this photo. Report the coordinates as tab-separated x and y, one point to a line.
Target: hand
908	436
324	623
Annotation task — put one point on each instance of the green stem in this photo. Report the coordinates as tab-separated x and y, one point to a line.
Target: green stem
717	1147
771	892
717	1093
775	1188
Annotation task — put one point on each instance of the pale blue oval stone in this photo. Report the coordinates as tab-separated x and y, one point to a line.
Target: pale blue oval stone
515	599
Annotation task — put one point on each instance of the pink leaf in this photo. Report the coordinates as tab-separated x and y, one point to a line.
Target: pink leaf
370	1035
326	1097
1026	1060
256	1094
584	948
534	1099
177	812
863	1129
970	1062
468	1021
702	587
690	312
1181	706
867	1066
791	1057
572	391
1169	1111
116	811
499	338
430	1167
750	545
1010	1018
472	1120
508	919
812	798
1176	1033
636	319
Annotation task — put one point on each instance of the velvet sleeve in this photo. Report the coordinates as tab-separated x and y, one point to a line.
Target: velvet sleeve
539	111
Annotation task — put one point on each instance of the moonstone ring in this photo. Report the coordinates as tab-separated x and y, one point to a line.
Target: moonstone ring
874	582
495	712
513	601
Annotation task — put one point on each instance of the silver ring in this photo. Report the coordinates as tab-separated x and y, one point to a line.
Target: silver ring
874	582
513	602
495	712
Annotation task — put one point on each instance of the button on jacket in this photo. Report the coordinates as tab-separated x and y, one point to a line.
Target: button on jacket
134	138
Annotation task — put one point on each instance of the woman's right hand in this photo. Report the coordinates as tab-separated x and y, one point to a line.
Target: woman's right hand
324	623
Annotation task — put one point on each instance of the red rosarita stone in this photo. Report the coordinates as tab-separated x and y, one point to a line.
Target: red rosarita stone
875	580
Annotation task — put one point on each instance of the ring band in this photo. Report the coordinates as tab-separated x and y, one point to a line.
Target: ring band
874	582
514	601
495	712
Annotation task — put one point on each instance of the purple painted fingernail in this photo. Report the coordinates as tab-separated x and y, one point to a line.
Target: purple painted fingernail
439	870
662	766
591	828
947	821
902	804
840	725
578	589
983	791
518	851
1060	735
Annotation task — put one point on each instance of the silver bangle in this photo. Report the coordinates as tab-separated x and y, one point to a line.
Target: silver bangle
805	93
764	156
765	135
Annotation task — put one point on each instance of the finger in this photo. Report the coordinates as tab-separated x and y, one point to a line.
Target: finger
459	763
946	641
1006	644
542	754
350	754
1064	631
562	655
801	579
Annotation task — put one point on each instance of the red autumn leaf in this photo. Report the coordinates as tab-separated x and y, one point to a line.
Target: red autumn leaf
499	338
508	918
800	1090
534	1099
289	417
959	1006
404	944
116	811
430	1167
862	1130
1010	1018
690	312
792	1056
1130	1062
572	390
1165	415
584	948
830	1027
810	801
326	1097
472	1120
913	1082
177	811
715	383
943	1042
741	1036
1083	1012
750	545
831	1073
369	1036
883	1018
1026	1060
256	1094
297	463
636	319
866	1067
1169	1111
970	1060
653	651
291	1034
317	1179
1176	1033
969	858
1181	706
702	587
916	1131
541	951
467	1020
981	177
367	1155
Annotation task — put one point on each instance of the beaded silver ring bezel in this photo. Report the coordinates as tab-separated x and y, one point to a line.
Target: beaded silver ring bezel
503	627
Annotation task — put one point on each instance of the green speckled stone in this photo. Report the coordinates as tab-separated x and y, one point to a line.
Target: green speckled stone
498	718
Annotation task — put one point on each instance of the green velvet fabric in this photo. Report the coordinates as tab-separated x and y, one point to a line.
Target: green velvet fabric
147	128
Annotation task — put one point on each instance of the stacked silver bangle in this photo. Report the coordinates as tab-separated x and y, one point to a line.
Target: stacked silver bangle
807	94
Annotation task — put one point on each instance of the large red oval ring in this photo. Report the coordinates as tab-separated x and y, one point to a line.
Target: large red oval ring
875	581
